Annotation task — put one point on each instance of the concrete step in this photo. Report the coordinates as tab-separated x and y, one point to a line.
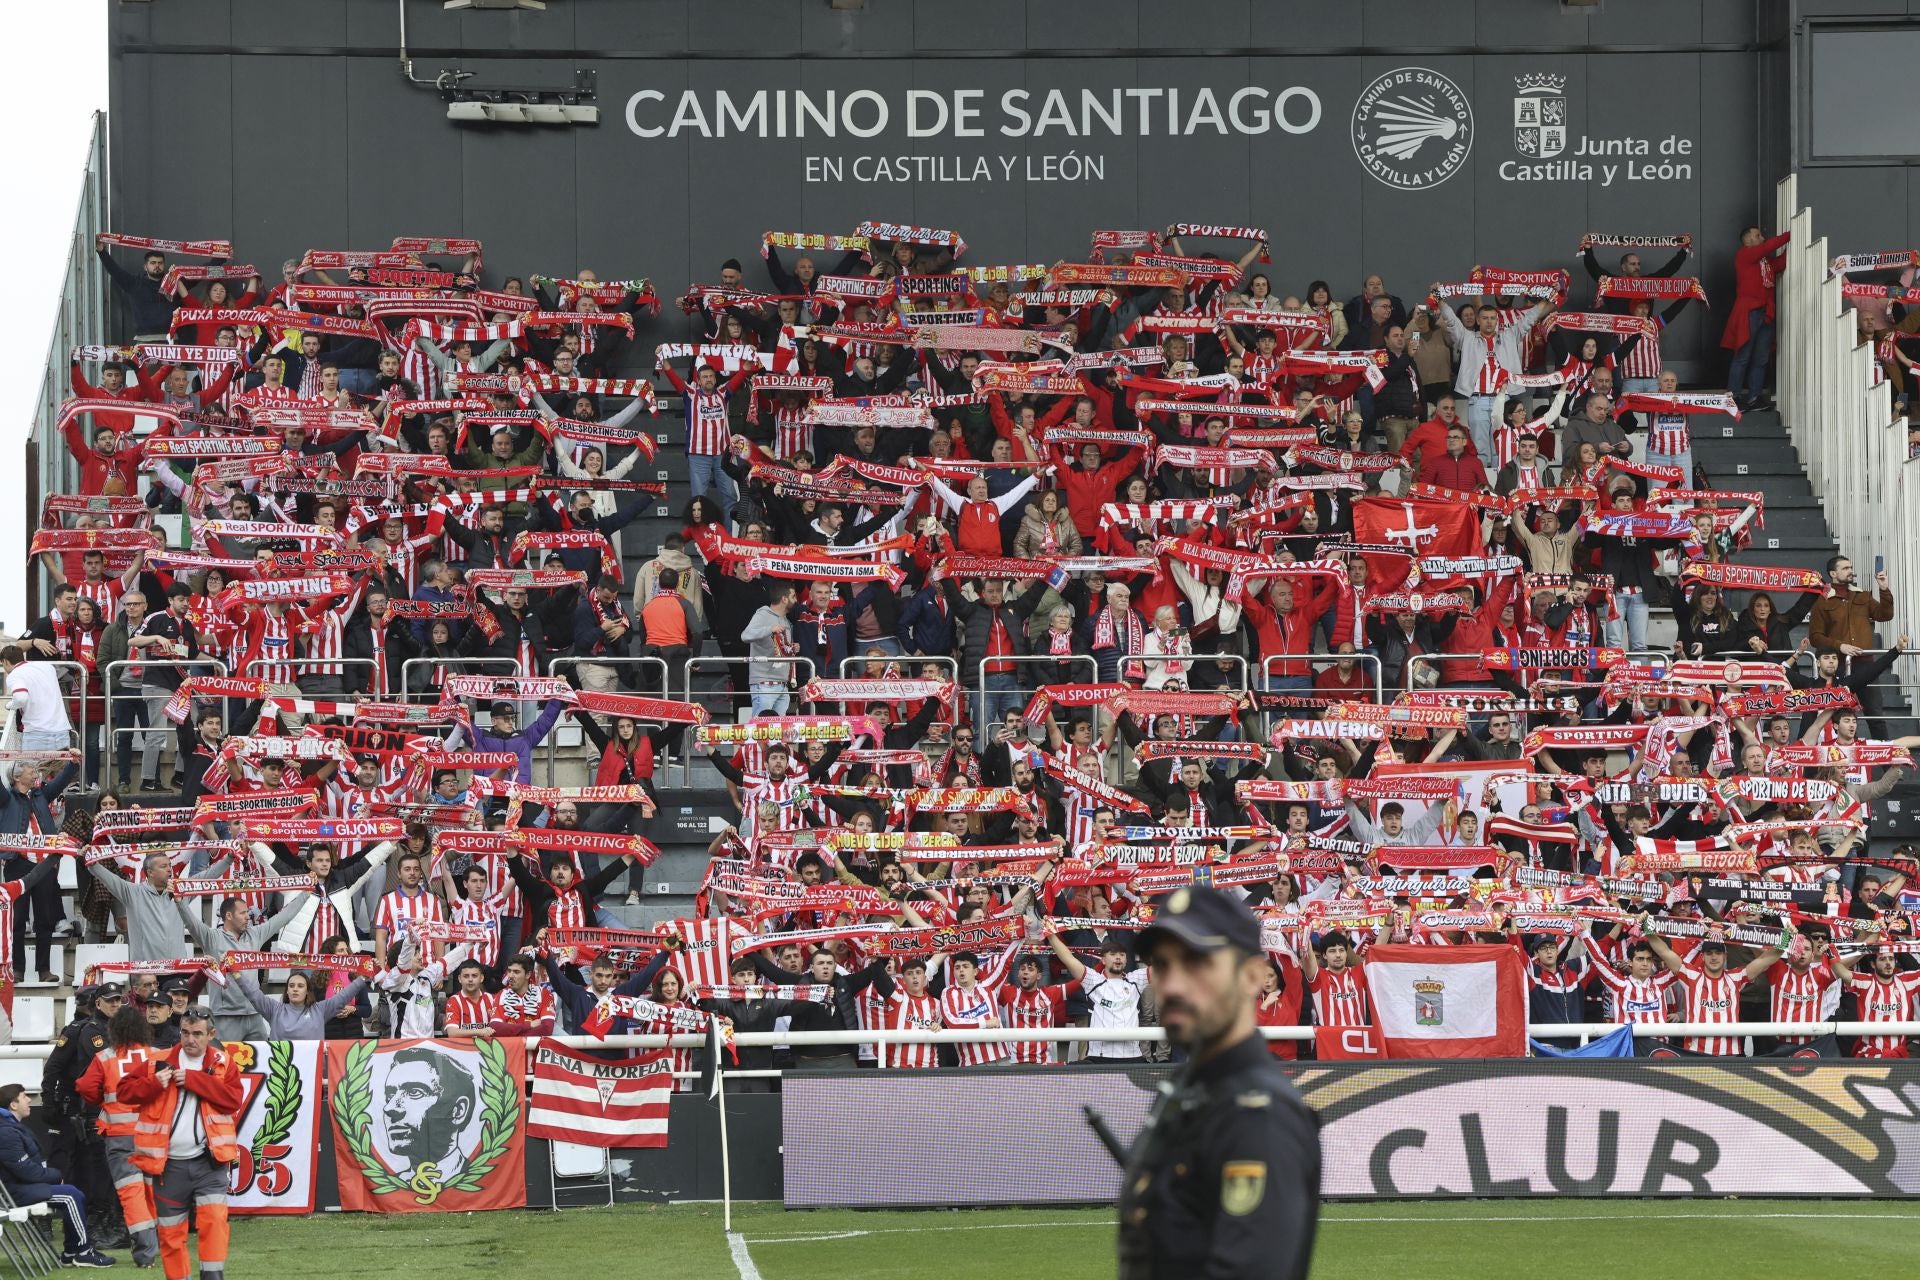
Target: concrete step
1791	488
1786	556
1742	448
1808	523
1726	467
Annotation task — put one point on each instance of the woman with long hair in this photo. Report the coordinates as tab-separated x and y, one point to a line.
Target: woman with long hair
1704	626
302	1014
443	651
1585	465
1320	299
219	296
627	758
1046	529
1762	628
699	515
669	992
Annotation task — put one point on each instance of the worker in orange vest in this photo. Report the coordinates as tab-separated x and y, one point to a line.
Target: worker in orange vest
129	1040
185	1140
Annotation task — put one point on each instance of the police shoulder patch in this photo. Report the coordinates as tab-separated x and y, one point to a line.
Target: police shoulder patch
59	1041
1243	1183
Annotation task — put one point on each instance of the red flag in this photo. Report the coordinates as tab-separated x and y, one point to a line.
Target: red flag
1425	526
1341	1044
598	1103
425	1125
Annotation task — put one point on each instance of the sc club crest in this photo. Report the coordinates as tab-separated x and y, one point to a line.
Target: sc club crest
1540	115
1412	128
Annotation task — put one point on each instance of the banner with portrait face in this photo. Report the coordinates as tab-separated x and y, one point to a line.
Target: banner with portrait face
279	1127
430	1125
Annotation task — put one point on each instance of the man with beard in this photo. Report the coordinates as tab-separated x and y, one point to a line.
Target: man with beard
750	1011
1225	1177
1885	995
1114	993
578	1002
1029	1004
561	900
836	1014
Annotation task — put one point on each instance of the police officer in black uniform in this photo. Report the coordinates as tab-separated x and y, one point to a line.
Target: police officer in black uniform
1225	1178
77	1148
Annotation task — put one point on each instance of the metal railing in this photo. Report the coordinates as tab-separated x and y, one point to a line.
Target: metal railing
82	319
1582	1031
115	696
258	664
1072	660
499	666
852	668
1192	660
1841	420
643	663
796	679
799	671
1328	660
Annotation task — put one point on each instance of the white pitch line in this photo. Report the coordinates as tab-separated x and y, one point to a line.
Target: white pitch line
889	1231
742	1260
1625	1212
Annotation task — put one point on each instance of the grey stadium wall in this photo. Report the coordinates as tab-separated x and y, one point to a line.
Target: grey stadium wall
290	126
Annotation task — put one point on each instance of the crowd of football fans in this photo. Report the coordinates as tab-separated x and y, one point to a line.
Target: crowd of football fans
1020	595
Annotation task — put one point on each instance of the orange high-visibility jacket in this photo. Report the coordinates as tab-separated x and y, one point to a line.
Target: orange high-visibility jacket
101	1086
216	1083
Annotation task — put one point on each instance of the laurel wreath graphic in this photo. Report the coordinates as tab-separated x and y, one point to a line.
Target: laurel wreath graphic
283	1098
353	1111
499	1113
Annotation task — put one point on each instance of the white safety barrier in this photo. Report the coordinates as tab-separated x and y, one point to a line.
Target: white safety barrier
1842	424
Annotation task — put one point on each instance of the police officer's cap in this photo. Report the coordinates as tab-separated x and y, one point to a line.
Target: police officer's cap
109	991
1204	919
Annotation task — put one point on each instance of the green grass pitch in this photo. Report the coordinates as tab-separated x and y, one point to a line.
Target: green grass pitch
1808	1239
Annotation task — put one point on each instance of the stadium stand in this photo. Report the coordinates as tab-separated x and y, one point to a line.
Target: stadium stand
969	607
884	430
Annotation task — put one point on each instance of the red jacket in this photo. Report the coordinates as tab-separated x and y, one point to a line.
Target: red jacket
1359	684
1754	269
1463	472
1430	437
97	468
1290	633
1088	491
1473	633
614	762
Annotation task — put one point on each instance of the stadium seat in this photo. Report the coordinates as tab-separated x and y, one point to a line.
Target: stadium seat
88	954
33	1019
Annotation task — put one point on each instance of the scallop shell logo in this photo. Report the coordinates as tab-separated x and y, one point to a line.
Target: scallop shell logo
1412	128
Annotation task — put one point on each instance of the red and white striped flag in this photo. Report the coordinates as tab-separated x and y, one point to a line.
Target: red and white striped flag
708	952
596	1103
